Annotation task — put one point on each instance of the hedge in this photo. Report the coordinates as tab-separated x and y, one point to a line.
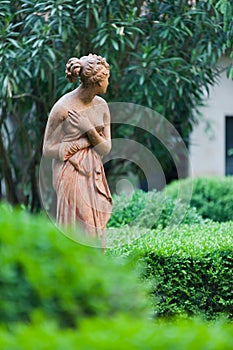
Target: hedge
150	210
191	268
43	270
211	196
120	332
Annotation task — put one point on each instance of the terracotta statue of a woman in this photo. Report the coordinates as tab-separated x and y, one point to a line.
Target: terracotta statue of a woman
77	135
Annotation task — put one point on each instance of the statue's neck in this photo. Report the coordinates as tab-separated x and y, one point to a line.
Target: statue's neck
86	93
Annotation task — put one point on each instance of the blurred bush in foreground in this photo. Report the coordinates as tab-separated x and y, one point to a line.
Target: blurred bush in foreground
120	333
42	270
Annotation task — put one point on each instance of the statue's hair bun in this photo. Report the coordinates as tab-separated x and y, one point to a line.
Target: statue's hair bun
73	68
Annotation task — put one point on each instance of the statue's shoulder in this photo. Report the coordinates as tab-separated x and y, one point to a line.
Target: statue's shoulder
102	103
60	107
100	100
64	99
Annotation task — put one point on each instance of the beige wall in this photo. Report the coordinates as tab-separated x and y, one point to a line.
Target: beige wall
207	149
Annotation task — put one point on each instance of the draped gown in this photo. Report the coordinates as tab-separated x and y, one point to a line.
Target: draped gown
83	196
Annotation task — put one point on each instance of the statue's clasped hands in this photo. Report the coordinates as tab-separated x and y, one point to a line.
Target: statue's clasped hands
81	121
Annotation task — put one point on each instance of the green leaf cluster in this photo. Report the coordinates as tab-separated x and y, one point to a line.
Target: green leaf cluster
211	196
226	8
150	210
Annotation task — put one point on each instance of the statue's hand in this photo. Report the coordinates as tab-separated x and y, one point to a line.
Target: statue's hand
81	121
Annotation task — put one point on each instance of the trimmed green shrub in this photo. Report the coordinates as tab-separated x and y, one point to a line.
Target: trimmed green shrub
192	268
43	270
120	333
211	196
150	210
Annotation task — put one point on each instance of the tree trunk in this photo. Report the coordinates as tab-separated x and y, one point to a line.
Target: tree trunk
11	195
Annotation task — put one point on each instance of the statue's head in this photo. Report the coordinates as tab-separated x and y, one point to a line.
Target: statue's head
91	69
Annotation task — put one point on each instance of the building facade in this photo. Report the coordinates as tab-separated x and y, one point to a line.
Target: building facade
211	143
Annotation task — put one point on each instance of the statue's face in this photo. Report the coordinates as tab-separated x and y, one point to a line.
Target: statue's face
104	84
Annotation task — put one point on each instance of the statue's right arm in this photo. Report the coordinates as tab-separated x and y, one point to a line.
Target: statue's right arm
53	132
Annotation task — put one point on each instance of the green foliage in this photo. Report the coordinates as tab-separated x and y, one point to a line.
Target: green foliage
120	333
162	53
211	196
150	210
43	271
48	281
192	267
225	7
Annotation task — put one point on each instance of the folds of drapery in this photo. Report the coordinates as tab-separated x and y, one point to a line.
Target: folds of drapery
83	196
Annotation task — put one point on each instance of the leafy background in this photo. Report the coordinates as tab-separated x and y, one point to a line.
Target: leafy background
163	55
